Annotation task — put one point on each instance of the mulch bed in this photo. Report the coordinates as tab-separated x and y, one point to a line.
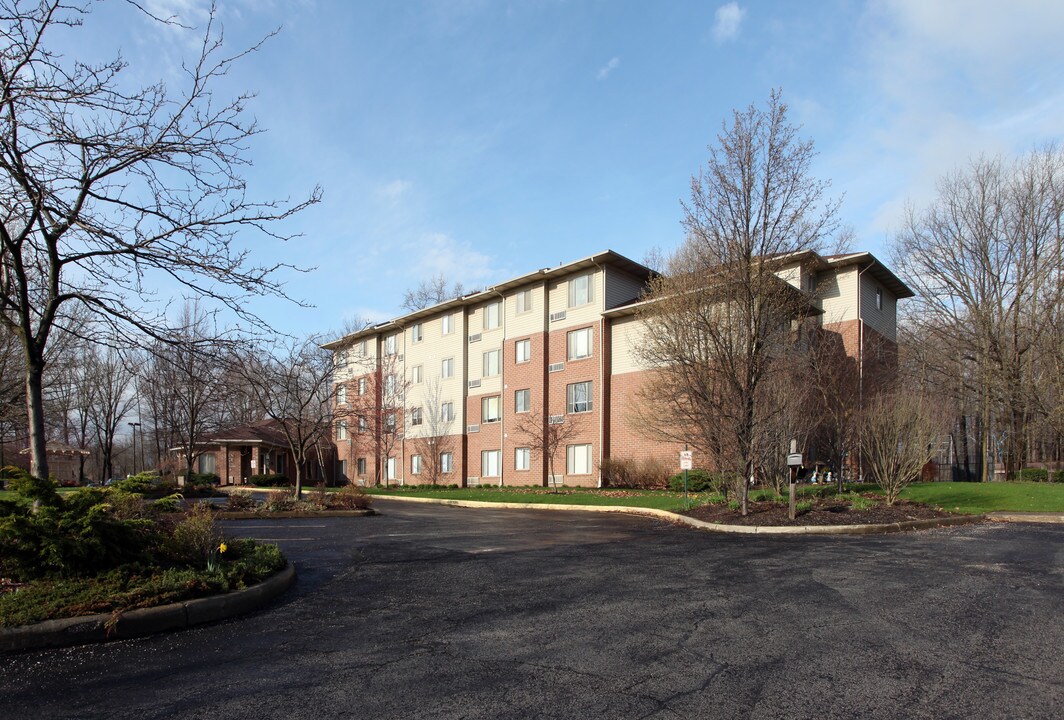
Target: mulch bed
825	511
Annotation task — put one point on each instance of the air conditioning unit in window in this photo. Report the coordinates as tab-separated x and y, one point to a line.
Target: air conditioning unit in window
472	428
474	338
556	367
399	358
556	420
555	317
474	383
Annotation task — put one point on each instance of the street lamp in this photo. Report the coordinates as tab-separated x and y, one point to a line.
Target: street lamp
134	425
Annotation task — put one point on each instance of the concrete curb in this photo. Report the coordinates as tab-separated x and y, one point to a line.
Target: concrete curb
147	621
1025	517
251	515
713	527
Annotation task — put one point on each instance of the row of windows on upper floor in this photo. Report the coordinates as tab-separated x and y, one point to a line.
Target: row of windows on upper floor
578	399
578	347
578	461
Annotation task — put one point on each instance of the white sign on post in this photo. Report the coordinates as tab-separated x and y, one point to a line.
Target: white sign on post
687	460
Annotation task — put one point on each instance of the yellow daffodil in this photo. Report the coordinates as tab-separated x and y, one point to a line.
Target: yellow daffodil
222	548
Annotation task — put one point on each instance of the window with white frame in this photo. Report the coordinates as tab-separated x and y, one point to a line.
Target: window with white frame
389	384
446	462
489	409
389	345
447	324
340	358
362	386
579	342
522	401
492	314
360	348
341	394
415	416
389	422
578	459
523	350
341	430
879	298
416	374
578	397
447	412
524	301
491	363
522	458
447	368
363	424
389	470
361	466
207	464
417	333
490	465
580	290
415	464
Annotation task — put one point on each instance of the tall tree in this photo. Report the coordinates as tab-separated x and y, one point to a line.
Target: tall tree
431	292
106	187
111	378
722	317
432	434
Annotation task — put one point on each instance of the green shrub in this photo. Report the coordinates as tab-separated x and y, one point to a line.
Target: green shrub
1057	476
168	504
859	502
141	483
196	537
803	507
269	480
1033	475
203	480
33	489
697	481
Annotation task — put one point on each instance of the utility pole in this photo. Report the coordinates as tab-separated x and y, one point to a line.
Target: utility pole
134	425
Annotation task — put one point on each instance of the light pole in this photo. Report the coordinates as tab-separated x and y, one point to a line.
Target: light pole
134	425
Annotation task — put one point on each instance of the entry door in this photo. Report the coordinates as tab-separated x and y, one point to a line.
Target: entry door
391	468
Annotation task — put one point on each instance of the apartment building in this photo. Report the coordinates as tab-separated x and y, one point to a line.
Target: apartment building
448	393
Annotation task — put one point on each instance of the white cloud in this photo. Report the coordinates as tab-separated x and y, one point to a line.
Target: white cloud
727	22
605	70
394	191
439	253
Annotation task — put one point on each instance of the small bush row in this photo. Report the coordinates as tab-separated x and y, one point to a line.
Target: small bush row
634	474
1040	475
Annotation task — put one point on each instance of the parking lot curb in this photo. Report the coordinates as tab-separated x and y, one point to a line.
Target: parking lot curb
712	527
146	621
290	514
1025	517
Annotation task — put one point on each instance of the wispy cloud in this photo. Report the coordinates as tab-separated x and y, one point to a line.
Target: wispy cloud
457	260
727	22
394	191
605	70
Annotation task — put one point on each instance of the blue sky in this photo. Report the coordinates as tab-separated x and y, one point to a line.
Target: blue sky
483	139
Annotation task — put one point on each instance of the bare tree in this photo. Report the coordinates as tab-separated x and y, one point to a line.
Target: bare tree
431	292
547	435
111	378
722	318
433	436
293	387
106	187
900	433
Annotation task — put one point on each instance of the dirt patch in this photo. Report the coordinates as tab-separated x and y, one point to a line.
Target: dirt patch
825	511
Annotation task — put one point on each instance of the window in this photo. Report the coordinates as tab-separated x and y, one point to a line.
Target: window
341	430
491	316
578	460
341	469
415	464
389	422
389	345
447	412
491	363
390	469
362	386
812	282
447	322
341	358
489	409
578	397
362	424
415	374
446	462
489	463
207	464
361	465
389	384
417	333
341	394
523	350
879	298
579	343
524	302
522	458
447	368
580	290
415	416
522	400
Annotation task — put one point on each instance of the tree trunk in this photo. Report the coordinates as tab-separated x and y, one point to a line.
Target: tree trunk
299	478
35	411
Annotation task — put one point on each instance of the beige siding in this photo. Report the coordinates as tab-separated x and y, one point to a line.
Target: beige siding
429	354
883	321
627	334
529	322
837	294
621	287
793	275
558	299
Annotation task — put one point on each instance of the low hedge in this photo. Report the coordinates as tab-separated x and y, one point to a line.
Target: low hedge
269	480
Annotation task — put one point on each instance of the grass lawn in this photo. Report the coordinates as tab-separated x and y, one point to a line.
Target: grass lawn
975	498
658	499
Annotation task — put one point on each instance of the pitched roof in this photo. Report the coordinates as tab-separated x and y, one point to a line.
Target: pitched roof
263	431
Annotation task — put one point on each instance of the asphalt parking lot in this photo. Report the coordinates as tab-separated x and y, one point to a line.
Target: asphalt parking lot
440	612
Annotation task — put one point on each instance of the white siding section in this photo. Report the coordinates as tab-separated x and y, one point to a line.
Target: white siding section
627	334
621	287
837	294
792	275
429	354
